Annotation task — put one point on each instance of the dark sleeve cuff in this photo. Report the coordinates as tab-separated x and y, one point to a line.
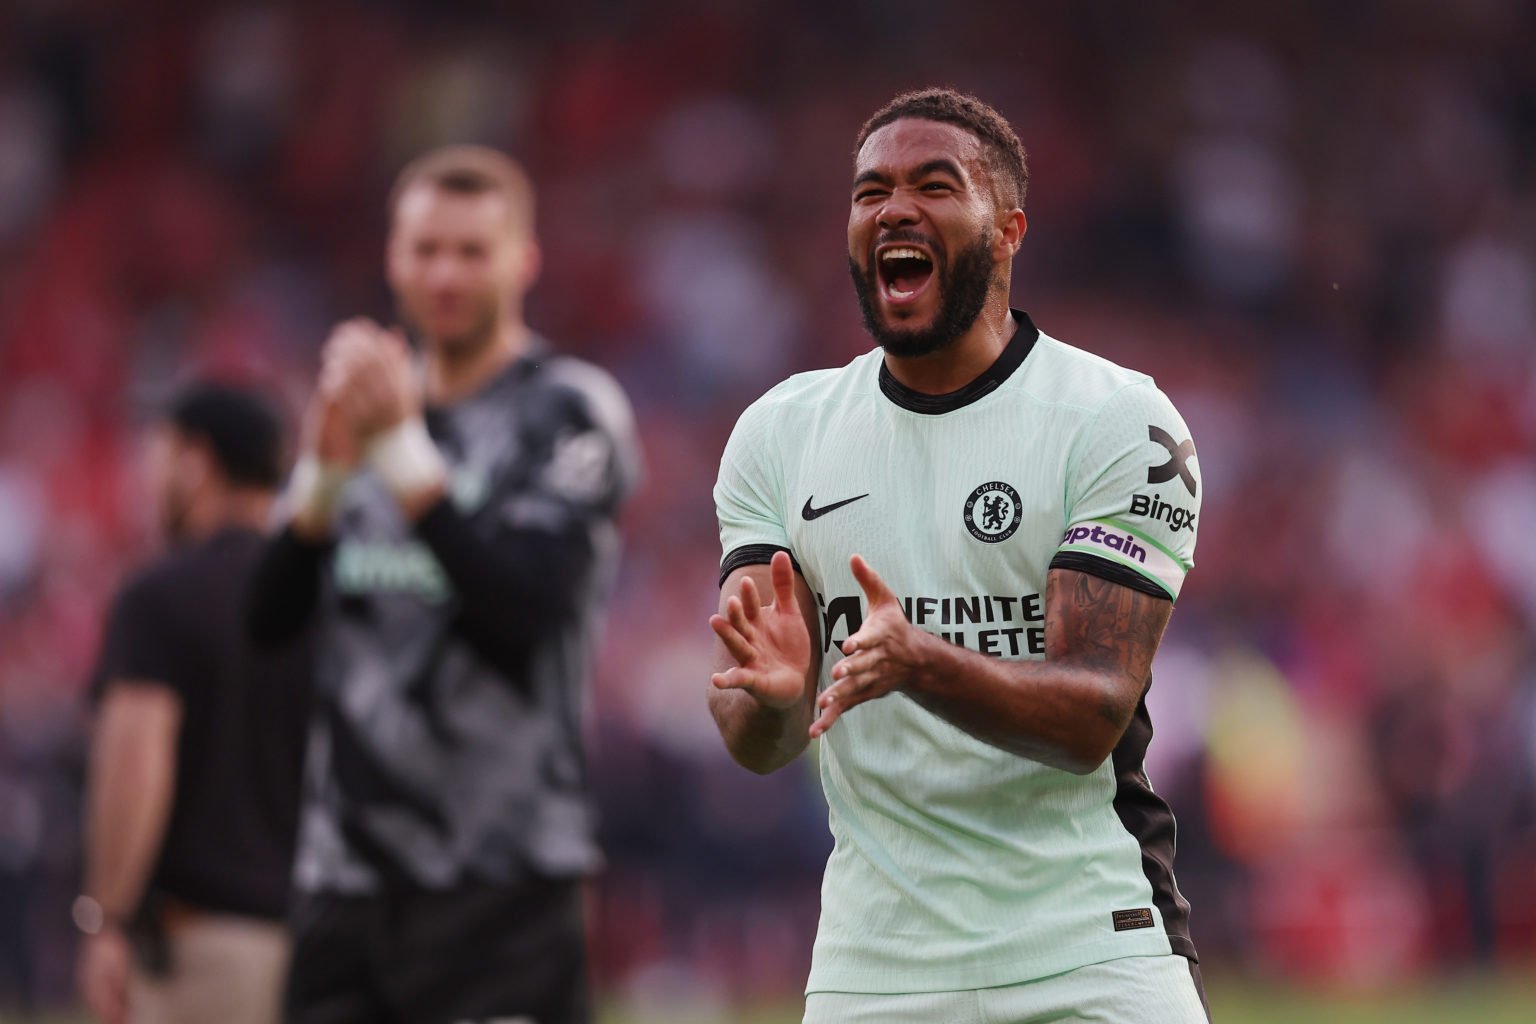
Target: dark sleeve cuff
752	554
1111	571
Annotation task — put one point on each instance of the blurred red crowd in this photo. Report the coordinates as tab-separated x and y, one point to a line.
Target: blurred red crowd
1314	223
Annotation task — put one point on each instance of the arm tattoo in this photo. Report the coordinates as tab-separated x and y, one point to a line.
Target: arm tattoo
1103	626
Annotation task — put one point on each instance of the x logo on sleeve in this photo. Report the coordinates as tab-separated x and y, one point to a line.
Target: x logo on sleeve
1179	454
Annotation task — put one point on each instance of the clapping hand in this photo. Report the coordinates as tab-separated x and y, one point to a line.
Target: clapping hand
770	642
884	655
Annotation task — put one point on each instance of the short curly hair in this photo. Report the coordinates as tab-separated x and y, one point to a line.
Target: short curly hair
240	426
1005	156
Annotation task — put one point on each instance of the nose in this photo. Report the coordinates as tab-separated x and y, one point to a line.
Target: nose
898	209
443	271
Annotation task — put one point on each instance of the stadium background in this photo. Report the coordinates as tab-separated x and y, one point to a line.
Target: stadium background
1314	221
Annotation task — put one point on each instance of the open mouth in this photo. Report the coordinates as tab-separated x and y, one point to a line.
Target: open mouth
905	272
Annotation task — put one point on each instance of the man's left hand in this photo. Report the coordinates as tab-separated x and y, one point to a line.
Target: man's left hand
367	371
886	653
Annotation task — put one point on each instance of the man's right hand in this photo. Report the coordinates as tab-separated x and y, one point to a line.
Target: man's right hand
106	963
770	643
327	435
329	448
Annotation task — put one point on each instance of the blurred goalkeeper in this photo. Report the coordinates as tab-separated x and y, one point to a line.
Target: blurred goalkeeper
450	526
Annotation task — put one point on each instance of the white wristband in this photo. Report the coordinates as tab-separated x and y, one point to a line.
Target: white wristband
313	489
406	459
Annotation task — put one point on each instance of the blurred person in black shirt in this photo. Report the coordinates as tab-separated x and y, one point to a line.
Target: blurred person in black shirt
450	529
197	749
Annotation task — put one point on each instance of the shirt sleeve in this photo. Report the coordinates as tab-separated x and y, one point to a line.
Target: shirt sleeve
527	565
748	495
591	464
1133	495
143	641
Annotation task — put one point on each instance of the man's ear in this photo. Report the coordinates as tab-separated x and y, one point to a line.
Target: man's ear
195	465
533	263
1008	234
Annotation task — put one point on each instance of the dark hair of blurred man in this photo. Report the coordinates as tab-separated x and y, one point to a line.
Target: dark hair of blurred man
450	528
196	754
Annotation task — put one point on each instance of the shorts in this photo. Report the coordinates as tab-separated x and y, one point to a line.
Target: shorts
1132	990
505	954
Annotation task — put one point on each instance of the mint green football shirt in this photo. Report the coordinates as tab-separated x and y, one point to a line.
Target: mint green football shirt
957	865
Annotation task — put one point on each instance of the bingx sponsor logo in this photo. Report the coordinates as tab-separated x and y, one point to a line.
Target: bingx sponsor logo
1179	454
1156	508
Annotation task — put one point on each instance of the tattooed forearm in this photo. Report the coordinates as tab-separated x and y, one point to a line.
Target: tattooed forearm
1069	710
1105	627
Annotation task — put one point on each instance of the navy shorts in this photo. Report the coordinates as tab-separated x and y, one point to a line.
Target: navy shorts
480	953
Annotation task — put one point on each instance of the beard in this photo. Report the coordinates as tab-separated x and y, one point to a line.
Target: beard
173	518
963	287
460	344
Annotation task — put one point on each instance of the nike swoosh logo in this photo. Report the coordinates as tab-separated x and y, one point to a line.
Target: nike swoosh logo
808	513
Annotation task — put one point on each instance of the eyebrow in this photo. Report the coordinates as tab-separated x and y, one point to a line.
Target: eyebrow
941	165
946	166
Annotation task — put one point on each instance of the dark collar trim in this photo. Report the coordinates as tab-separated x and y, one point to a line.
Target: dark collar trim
1012	357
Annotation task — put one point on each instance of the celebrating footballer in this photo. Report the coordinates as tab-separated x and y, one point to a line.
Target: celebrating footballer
940	559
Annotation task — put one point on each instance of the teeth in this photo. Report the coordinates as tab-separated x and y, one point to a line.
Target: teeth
903	254
897	293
